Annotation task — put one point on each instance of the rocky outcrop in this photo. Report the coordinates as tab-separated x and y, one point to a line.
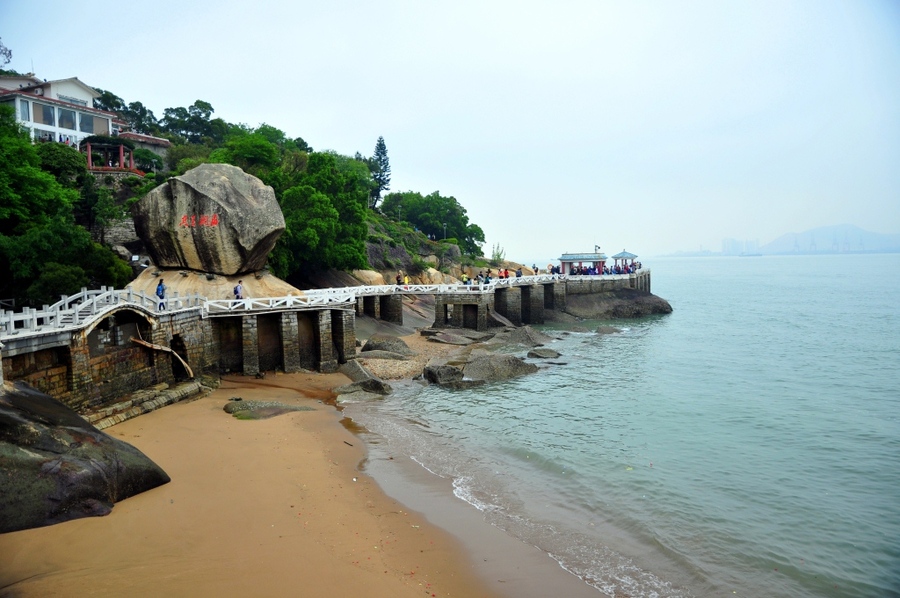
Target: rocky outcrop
625	303
214	218
56	467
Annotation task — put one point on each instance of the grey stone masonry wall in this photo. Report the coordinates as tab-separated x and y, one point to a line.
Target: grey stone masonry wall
457	317
249	335
343	330
392	308
326	362
441	319
602	284
290	342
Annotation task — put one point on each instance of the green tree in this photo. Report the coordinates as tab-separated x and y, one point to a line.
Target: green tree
65	163
141	119
5	54
431	213
37	224
109	101
147	160
381	172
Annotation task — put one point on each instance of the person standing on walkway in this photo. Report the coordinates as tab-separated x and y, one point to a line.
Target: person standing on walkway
161	294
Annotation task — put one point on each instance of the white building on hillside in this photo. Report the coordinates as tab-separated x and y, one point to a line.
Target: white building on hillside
60	110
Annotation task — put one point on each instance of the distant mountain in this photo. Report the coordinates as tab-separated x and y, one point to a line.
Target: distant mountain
842	238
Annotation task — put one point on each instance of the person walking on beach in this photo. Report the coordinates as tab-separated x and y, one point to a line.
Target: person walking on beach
161	294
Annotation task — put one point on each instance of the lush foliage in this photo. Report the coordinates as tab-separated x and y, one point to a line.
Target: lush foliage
437	216
37	223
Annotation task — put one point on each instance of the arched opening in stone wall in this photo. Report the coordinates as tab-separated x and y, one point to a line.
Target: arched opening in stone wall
178	370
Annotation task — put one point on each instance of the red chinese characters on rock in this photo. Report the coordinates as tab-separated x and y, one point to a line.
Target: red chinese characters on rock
193	220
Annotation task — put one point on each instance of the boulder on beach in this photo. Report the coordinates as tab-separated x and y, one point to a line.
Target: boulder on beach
55	466
384	342
214	218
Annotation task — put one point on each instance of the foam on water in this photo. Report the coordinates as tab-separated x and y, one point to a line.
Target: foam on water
748	444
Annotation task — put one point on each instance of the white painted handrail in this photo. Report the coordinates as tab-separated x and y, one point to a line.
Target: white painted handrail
76	311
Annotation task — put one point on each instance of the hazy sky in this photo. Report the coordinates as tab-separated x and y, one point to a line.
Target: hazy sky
651	126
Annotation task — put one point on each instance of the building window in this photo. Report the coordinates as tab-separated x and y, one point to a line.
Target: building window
44	114
72	100
24	111
66	119
94	124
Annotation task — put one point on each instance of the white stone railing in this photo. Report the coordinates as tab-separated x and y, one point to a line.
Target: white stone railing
75	311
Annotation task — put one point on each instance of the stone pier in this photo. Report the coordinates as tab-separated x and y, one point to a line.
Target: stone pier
465	310
508	303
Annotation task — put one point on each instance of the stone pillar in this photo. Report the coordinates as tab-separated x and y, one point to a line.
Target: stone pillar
508	303
440	312
324	340
547	292
525	305
482	325
372	306
1	364
290	343
559	295
457	316
343	330
250	345
392	308
536	304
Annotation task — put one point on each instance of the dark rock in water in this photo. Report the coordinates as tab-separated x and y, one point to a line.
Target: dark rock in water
442	374
355	371
383	342
261	409
501	366
214	218
373	385
608	330
55	466
543	353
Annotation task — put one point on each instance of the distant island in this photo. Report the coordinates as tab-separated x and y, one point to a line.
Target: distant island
841	238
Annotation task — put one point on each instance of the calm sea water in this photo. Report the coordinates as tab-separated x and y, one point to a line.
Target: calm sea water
748	444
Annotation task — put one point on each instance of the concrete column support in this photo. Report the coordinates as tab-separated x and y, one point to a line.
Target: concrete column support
508	303
440	312
290	349
327	361
250	345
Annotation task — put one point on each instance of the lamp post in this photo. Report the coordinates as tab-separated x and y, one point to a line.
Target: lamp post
445	231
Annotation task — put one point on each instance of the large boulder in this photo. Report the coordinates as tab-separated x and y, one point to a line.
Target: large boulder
55	466
214	218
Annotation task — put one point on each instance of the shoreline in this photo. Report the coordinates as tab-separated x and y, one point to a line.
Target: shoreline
291	505
268	507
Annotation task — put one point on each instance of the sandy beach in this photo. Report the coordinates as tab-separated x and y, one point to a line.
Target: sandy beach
274	507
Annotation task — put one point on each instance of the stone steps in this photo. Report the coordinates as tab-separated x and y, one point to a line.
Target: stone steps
144	401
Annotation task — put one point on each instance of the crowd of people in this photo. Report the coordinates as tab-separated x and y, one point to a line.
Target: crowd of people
607	270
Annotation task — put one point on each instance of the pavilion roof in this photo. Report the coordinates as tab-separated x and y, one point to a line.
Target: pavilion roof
624	255
583	257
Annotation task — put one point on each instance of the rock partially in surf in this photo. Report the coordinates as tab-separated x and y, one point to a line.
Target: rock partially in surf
378	354
55	466
526	336
442	374
449	338
608	330
501	366
543	353
373	385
